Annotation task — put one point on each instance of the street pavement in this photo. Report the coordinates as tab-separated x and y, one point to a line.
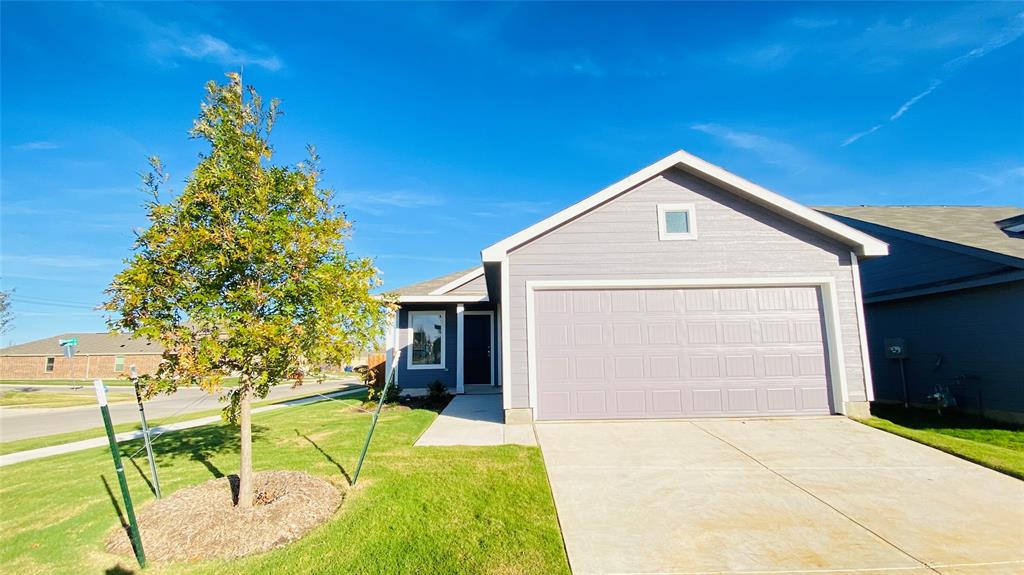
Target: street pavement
25	422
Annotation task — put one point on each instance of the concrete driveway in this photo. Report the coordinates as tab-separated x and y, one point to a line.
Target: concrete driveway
809	495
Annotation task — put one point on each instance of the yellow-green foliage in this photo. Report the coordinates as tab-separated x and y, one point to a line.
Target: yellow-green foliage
245	272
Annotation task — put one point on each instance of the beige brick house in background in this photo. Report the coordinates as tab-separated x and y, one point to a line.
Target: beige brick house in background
100	355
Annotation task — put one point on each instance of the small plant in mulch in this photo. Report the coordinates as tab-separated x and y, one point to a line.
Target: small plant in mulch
203	522
436	399
375	386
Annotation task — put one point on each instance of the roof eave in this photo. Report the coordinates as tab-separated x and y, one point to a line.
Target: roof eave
862	244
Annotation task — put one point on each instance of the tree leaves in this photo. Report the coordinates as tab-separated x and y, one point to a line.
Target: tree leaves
246	271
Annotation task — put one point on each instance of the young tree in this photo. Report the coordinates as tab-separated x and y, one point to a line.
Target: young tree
245	272
6	315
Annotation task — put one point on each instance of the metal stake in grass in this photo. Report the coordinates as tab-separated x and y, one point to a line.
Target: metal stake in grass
145	432
376	414
101	398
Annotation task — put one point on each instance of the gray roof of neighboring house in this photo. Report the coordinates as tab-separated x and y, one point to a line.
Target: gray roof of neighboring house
425	287
88	344
973	226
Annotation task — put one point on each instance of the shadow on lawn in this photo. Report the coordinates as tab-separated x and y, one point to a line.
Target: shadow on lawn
327	456
200	444
120	517
923	419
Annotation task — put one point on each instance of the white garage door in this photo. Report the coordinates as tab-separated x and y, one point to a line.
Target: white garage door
657	353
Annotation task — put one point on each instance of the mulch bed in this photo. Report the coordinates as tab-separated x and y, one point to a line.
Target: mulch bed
202	522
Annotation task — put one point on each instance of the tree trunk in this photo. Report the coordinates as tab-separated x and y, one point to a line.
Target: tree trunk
245	469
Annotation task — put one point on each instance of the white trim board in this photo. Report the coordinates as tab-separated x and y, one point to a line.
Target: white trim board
862	330
506	337
442	298
491	333
829	312
861	243
691	222
460	281
460	355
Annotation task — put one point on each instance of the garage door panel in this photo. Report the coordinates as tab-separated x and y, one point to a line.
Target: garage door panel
679	352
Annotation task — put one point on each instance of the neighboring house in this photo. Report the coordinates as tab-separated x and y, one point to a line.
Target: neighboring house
100	355
680	291
953	289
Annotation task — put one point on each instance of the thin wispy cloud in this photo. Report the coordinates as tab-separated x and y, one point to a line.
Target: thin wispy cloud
36	146
909	103
860	135
64	262
1008	34
380	202
813	23
213	49
429	259
171	43
768	150
514	207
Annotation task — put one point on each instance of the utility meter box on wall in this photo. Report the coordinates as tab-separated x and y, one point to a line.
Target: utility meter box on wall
896	348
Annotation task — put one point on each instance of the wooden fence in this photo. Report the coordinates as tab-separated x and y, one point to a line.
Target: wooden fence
377	361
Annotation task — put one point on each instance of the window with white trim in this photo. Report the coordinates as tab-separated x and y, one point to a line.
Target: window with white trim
426	340
118	363
677	222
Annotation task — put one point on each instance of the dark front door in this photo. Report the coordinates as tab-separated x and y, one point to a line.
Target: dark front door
477	348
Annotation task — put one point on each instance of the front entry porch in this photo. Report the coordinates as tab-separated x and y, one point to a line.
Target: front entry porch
476	419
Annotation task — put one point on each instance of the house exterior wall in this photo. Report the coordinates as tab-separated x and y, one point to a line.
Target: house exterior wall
913	264
84	366
976	332
421	378
474	286
735	239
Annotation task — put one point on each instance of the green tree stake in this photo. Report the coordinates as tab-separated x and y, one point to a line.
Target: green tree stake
373	422
101	397
145	433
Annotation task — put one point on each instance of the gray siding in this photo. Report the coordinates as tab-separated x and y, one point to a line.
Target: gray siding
736	238
912	264
474	286
421	378
975	332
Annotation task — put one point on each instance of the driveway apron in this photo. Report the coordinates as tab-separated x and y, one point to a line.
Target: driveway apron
801	495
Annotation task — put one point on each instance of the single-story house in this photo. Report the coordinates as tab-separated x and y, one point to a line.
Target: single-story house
682	290
951	294
102	355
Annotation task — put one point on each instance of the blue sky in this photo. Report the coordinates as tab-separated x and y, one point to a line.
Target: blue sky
446	127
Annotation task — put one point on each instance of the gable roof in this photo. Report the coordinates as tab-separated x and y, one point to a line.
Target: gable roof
436	289
971	226
88	344
861	243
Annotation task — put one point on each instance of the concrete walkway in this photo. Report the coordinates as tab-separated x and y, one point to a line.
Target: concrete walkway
780	496
20	456
475	420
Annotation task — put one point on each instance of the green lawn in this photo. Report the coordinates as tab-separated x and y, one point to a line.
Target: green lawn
992	444
14	398
416	510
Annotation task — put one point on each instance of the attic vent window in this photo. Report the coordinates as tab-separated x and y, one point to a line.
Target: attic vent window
677	222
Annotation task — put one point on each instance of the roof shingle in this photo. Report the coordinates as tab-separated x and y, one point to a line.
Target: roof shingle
973	226
425	287
88	344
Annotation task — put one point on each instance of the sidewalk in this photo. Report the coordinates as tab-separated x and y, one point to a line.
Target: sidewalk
475	420
29	455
